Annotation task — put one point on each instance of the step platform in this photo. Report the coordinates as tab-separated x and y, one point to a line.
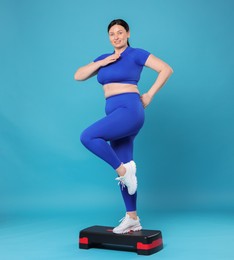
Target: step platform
143	242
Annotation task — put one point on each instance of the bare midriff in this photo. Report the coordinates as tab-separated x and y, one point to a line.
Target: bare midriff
112	89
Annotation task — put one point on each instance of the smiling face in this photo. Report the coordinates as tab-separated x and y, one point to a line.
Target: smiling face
118	36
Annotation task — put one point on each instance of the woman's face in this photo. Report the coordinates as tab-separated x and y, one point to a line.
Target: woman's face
118	36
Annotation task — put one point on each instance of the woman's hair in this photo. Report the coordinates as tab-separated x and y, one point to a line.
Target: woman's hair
119	22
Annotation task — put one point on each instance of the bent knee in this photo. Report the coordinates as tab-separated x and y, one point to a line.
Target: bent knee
85	138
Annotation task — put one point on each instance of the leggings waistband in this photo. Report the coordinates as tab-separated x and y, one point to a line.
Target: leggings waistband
122	94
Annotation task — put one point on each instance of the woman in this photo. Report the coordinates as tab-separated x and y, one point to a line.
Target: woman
111	138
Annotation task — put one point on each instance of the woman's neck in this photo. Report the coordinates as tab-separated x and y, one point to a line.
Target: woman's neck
120	50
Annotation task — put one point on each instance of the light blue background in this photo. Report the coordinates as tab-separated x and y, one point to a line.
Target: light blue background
184	153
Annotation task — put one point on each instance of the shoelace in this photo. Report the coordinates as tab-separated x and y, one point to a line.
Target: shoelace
121	182
122	220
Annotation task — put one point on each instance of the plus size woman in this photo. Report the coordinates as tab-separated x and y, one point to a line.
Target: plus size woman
112	138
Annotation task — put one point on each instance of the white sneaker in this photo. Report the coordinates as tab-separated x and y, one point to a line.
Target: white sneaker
127	224
129	179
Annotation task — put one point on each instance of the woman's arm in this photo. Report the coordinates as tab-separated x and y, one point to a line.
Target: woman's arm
87	71
92	68
164	72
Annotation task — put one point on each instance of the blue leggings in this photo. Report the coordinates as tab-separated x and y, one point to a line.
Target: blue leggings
111	138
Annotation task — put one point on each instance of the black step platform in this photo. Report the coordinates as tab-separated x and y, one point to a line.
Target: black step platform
144	242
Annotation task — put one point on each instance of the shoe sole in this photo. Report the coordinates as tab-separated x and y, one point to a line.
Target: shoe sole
133	166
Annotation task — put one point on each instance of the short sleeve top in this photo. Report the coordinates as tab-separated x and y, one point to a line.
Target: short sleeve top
127	69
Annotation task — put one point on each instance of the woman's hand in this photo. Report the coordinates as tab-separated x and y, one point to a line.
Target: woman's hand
146	99
110	59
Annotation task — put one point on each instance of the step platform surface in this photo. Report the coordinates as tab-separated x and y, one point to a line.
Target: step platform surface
144	242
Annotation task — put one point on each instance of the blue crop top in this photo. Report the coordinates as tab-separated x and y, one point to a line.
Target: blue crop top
127	69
